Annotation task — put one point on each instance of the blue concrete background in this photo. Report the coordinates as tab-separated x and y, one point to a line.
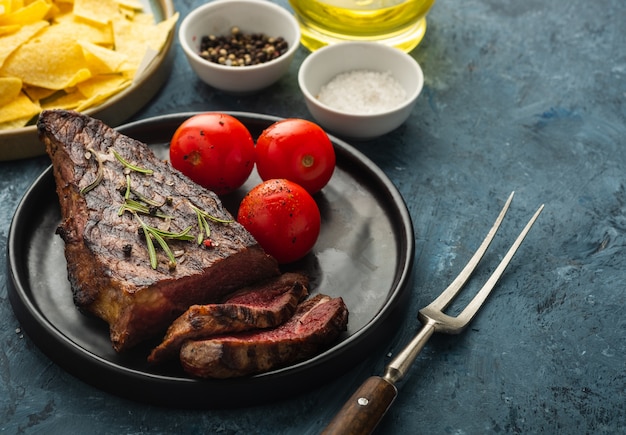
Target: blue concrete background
525	96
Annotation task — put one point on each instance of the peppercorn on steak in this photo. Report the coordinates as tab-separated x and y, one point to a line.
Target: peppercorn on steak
142	242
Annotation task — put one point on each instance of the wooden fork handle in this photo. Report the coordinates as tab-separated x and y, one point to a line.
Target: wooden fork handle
367	406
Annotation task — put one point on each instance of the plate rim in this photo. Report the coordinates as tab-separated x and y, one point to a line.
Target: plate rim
39	328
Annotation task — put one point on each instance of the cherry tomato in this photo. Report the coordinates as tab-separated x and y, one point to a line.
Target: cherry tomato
298	150
283	217
215	150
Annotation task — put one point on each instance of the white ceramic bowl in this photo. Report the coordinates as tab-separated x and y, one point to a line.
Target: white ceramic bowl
324	64
250	16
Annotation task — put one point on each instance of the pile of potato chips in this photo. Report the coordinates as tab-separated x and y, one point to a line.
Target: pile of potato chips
71	54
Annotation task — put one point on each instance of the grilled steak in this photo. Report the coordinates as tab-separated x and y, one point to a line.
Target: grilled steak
265	305
317	322
112	212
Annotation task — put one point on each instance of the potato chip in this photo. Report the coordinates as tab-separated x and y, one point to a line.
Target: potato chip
33	64
143	19
36	94
10	88
14	124
100	88
101	34
10	43
11	28
133	37
5	6
163	29
36	11
63	100
19	108
96	11
101	60
130	8
130	4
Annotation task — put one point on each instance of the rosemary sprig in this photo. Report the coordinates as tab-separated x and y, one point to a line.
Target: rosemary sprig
138	204
130	166
141	208
99	173
145	199
151	251
161	236
128	190
203	224
204	227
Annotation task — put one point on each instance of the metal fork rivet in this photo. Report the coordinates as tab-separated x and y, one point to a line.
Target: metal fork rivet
362	401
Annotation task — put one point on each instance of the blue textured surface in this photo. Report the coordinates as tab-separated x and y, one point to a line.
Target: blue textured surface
526	96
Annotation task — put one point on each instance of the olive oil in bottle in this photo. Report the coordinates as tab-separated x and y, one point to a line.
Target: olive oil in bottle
399	23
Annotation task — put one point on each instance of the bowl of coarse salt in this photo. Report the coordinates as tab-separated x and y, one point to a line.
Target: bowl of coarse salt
360	90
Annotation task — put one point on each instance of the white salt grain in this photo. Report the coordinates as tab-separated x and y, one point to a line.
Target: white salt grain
362	92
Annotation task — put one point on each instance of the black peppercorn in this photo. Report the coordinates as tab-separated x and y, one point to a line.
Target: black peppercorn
241	49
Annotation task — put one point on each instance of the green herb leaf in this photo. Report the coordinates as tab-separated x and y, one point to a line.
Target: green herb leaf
99	173
203	224
183	235
141	208
151	250
127	193
146	200
160	236
130	166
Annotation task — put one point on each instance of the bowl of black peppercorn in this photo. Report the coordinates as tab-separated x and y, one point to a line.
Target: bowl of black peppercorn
239	46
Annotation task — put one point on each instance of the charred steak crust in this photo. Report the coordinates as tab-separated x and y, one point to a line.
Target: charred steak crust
265	305
317	322
108	262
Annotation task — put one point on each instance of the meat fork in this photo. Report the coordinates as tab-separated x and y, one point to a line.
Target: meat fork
367	406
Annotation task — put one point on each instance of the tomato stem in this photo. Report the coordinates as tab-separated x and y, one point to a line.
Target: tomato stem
308	160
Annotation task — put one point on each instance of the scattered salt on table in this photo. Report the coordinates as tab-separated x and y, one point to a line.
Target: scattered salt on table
362	92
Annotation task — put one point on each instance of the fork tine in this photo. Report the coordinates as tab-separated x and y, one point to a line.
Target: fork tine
471	309
362	412
446	297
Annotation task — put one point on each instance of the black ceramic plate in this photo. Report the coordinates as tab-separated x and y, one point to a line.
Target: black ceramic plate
364	254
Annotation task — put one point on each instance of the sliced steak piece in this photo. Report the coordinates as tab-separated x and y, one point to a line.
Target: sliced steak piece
109	266
316	324
265	305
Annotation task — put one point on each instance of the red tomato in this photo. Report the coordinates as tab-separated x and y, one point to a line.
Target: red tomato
283	217
215	150
297	150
